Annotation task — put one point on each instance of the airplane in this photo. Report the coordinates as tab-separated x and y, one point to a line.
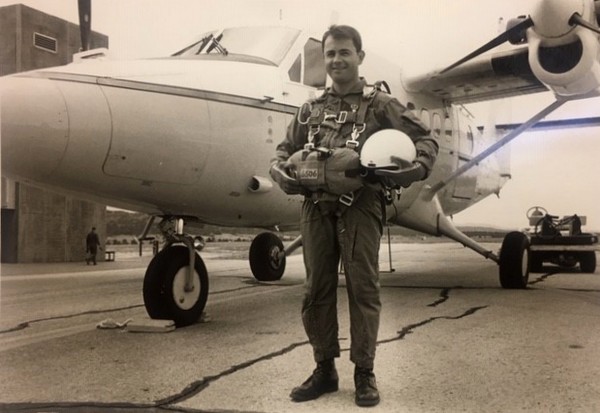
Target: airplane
188	138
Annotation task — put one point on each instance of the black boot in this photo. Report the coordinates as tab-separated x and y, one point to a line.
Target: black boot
323	380
366	387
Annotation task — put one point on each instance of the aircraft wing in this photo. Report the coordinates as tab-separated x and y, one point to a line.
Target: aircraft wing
492	76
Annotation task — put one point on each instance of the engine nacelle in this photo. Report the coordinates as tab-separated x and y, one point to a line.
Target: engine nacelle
566	58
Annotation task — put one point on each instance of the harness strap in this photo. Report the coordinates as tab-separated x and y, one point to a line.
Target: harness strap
357	117
361	114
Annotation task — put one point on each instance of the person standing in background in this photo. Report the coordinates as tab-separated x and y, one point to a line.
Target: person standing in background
92	244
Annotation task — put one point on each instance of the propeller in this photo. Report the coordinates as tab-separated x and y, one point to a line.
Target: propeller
85	23
516	31
497	41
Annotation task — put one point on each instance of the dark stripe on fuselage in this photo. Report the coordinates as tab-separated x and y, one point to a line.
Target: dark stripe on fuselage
265	103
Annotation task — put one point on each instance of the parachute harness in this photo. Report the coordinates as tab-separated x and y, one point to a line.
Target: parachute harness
356	116
312	169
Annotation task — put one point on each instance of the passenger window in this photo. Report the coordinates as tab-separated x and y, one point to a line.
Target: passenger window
295	71
448	128
470	140
425	118
436	129
314	65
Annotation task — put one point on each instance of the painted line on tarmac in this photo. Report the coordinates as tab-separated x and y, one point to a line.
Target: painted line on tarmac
73	274
9	343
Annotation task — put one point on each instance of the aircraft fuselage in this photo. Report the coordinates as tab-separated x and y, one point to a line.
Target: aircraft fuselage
194	137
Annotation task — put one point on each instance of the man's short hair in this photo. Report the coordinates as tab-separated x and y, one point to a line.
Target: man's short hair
343	32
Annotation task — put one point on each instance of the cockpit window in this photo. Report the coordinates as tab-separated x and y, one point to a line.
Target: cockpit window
314	66
295	72
266	43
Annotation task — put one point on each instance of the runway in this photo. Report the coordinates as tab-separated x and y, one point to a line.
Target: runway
451	339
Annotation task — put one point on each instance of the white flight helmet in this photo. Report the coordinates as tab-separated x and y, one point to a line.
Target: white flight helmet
379	148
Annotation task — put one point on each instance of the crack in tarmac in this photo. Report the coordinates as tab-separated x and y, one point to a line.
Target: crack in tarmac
444	296
197	387
200	385
543	277
26	324
411	327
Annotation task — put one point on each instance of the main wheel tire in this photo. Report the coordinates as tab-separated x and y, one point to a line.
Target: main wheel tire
164	287
514	261
265	261
587	261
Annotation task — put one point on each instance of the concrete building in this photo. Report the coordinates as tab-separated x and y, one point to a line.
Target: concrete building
40	225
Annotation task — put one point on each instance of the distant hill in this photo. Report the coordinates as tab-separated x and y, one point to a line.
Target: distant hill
126	223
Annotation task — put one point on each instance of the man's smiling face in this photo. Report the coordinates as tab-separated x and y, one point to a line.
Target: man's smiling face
342	60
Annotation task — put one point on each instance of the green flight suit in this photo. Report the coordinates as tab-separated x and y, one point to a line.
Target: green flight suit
331	230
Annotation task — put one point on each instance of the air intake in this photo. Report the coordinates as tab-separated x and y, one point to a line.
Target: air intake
44	42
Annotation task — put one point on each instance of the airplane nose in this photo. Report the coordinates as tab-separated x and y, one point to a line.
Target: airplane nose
34	127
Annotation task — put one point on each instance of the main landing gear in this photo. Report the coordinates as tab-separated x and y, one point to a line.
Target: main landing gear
514	261
267	256
176	281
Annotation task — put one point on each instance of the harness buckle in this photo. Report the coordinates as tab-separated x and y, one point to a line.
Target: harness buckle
302	109
357	130
313	131
342	116
352	144
347	199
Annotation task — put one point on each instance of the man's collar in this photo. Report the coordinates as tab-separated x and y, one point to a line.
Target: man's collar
358	87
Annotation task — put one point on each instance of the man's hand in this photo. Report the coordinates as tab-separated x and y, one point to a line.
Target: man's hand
280	173
402	177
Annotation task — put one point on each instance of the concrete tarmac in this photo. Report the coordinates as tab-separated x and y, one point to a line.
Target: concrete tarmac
451	340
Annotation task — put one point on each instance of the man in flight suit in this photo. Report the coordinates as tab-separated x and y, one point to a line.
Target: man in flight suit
352	230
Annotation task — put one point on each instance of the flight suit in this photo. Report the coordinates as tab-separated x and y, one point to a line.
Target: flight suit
332	230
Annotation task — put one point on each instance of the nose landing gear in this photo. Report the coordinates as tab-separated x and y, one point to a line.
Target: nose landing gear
176	281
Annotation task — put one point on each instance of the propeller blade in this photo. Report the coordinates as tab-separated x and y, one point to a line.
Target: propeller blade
578	20
504	37
85	23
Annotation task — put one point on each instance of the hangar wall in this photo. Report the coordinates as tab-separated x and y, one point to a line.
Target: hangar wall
40	225
52	227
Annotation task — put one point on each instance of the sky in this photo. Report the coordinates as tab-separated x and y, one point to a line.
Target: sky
558	170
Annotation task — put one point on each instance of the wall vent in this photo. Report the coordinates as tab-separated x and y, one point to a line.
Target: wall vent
43	42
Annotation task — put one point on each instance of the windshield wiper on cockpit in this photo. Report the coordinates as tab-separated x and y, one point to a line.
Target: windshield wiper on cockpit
215	45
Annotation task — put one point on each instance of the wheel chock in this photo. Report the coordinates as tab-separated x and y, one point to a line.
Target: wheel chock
149	325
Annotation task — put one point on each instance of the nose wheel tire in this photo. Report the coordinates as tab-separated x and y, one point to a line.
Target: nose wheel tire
267	260
514	261
165	295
